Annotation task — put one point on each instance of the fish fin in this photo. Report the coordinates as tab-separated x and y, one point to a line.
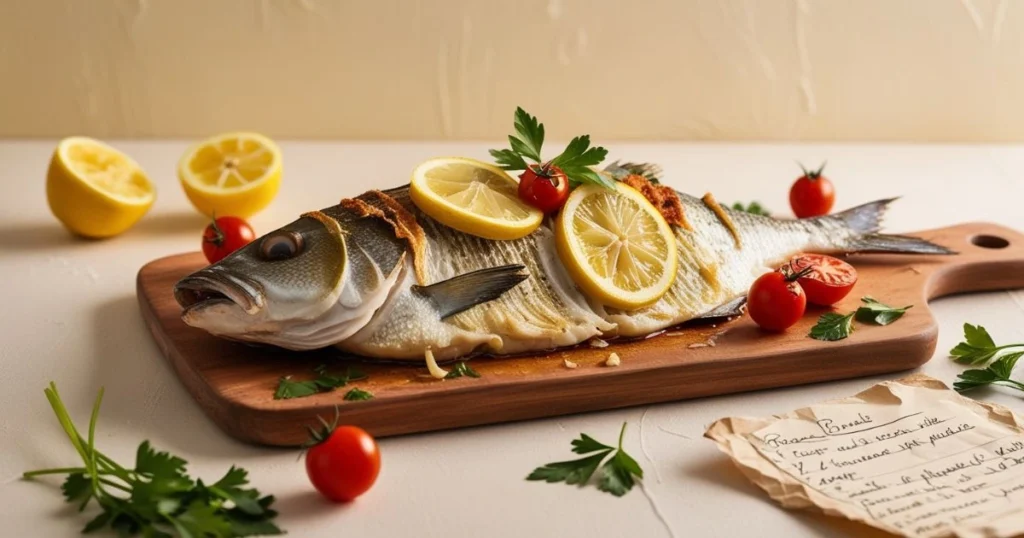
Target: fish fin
897	243
866	218
730	309
650	171
470	289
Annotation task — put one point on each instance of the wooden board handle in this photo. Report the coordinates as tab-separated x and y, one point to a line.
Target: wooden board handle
991	258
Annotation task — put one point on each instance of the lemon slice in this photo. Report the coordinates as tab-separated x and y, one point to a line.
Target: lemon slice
473	197
94	189
616	246
231	174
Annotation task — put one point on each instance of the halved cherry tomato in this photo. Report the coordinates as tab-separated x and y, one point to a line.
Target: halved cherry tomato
776	301
812	194
829	280
544	186
344	462
225	235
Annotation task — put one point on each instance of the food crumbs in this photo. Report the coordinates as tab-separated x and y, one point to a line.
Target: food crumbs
597	342
569	364
613	360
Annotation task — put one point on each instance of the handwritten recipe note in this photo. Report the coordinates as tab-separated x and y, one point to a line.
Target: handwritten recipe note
911	457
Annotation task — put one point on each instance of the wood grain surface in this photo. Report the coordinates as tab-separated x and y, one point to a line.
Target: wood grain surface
234	383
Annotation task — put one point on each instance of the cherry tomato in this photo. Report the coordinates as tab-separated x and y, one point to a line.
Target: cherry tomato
345	464
225	235
544	187
829	280
812	195
776	301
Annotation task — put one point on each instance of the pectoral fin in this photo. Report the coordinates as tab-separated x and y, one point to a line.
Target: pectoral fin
470	289
733	308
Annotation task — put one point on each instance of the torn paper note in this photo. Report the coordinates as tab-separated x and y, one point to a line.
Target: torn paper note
910	456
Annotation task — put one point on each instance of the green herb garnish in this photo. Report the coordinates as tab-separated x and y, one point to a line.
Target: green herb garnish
997	373
615	477
358	394
977	347
156	497
878	313
461	369
832	326
754	208
575	161
287	388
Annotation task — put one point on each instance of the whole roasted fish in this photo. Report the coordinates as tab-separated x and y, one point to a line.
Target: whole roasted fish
376	277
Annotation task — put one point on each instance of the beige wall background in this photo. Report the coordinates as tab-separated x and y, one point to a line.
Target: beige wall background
908	70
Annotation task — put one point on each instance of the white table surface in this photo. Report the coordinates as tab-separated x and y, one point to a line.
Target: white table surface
70	316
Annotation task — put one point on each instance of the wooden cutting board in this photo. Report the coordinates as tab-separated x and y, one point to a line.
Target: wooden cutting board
234	383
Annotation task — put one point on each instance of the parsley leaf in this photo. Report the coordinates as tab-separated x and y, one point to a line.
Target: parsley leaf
997	373
357	394
461	369
324	382
508	159
286	388
879	313
575	161
157	498
617	476
832	326
754	208
977	347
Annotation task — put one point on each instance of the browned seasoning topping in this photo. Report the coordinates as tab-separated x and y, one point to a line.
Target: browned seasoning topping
722	216
661	197
376	204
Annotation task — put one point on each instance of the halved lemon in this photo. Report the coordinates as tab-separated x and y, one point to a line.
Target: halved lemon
94	189
616	246
231	174
473	197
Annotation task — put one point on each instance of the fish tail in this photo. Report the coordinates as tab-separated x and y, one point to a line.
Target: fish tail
866	220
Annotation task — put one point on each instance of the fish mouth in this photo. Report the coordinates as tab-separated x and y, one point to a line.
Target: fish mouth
208	288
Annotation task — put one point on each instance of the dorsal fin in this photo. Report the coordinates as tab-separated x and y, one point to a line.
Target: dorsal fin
467	290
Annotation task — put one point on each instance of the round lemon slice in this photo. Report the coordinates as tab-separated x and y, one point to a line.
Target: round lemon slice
94	189
231	174
616	246
473	197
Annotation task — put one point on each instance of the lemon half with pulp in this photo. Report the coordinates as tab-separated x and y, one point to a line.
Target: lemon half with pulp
616	246
473	197
231	174
95	190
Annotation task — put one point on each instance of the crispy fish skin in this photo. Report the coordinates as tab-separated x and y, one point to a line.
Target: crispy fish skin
407	283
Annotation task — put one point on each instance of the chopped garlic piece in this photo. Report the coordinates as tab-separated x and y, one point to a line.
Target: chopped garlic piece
435	371
613	360
569	363
597	342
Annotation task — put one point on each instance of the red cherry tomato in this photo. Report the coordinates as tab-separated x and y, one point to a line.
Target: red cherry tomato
544	187
344	465
829	279
775	302
812	195
225	235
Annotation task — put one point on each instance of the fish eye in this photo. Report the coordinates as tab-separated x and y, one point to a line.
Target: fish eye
281	245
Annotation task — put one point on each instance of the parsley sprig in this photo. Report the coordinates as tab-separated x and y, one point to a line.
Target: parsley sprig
615	477
288	388
575	161
754	208
462	369
832	326
977	349
879	313
156	497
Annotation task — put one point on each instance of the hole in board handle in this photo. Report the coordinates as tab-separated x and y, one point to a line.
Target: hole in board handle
989	241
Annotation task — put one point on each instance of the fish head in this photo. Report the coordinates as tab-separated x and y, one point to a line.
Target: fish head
294	273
